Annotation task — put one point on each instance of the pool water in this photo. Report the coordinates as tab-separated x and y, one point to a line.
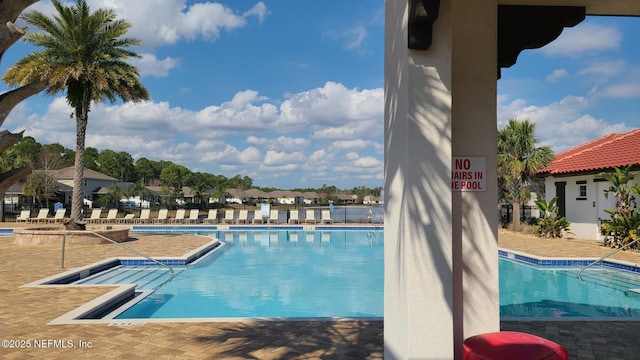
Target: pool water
528	291
318	274
293	274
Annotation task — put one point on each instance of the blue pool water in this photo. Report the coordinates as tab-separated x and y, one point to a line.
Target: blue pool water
279	273
528	291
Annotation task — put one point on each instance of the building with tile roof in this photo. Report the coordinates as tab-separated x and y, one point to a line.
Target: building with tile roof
573	178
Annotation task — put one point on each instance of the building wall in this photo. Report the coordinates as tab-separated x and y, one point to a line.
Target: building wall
584	210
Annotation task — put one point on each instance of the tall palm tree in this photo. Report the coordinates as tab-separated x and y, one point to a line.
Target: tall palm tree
519	160
85	55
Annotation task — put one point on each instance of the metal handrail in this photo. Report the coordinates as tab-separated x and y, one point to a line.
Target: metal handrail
64	240
606	256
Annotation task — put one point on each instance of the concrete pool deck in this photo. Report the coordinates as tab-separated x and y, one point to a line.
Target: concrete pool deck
25	313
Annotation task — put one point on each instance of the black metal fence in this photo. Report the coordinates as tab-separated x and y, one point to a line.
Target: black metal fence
506	213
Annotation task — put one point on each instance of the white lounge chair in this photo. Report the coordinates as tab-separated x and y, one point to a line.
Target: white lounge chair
274	217
293	217
326	217
228	216
179	216
257	217
25	215
194	215
42	216
212	217
129	218
59	216
95	216
112	216
145	216
310	217
243	217
162	216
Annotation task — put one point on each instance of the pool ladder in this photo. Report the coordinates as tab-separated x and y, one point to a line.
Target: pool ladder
64	240
604	257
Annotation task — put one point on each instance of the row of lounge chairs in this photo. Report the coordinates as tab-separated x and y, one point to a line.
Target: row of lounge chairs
274	217
43	216
244	217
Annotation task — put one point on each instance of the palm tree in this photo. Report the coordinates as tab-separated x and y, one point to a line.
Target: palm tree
84	54
519	160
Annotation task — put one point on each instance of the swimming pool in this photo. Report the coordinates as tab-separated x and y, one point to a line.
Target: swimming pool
265	272
556	292
290	274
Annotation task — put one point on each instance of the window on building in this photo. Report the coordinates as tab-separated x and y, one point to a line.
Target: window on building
583	190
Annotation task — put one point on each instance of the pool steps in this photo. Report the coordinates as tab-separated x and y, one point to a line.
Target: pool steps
144	277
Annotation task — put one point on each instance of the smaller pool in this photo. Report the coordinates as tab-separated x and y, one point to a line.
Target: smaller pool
534	292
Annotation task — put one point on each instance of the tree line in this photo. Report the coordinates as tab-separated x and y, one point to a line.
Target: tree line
141	172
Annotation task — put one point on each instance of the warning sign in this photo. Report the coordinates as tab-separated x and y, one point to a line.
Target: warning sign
469	173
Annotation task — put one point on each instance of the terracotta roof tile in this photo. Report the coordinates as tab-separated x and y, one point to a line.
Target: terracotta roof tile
609	151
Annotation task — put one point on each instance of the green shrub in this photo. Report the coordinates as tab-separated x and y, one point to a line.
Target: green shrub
550	224
624	226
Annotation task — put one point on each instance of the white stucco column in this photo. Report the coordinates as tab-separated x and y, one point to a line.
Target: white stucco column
441	282
474	129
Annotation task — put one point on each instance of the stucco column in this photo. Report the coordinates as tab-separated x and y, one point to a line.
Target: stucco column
440	245
474	129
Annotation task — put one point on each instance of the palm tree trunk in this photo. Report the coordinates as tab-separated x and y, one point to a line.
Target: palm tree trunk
516	215
515	201
77	202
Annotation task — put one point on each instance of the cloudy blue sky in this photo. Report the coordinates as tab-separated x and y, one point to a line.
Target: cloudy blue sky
290	92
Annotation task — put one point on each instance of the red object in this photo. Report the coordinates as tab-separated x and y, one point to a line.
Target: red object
600	154
511	345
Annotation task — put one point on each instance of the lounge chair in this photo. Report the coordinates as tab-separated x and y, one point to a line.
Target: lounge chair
228	216
144	218
212	217
129	218
194	215
326	217
310	217
25	215
274	217
243	217
95	215
42	216
293	217
59	216
112	216
179	216
162	216
257	217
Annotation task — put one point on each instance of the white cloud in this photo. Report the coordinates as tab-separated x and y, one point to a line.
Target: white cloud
165	22
584	38
355	37
148	64
335	112
627	90
561	124
556	75
604	68
284	143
